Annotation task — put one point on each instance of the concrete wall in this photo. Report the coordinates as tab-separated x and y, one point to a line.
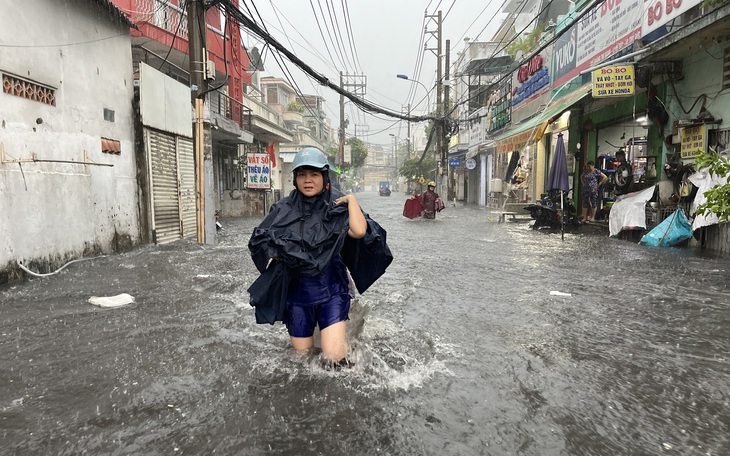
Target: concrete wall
52	212
702	75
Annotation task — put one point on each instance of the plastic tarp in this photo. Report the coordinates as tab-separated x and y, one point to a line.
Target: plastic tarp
673	230
629	211
704	181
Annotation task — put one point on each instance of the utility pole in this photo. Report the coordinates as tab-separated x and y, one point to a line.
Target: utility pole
445	151
439	105
341	151
439	126
408	144
198	86
354	84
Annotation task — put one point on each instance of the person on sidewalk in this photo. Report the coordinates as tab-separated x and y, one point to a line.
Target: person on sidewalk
592	179
304	248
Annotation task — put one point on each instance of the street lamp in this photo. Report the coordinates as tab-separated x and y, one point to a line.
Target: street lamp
396	140
428	103
428	92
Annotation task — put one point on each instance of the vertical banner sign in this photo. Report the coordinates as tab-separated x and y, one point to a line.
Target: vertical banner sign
613	81
694	140
258	171
347	153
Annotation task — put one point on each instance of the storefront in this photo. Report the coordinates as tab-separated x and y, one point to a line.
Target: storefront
532	143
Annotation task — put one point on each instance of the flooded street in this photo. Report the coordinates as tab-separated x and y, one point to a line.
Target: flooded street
459	349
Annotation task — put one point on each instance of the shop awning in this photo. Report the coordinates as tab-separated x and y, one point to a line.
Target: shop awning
287	157
460	152
532	129
480	148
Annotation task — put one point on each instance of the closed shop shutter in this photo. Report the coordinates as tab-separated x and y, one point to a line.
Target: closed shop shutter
165	205
186	173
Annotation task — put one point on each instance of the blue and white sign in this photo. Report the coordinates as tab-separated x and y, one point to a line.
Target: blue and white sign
455	162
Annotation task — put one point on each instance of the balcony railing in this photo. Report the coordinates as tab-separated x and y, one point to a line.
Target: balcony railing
231	108
263	111
162	14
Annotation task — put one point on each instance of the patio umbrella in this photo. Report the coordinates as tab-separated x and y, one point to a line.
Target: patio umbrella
558	178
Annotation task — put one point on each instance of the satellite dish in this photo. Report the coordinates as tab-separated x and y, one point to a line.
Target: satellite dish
255	57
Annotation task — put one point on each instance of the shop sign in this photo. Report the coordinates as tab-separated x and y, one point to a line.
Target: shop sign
499	105
477	124
454	162
693	140
471	163
659	12
515	142
258	171
530	81
613	81
610	27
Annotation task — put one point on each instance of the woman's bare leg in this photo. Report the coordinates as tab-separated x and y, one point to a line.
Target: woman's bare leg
334	341
302	343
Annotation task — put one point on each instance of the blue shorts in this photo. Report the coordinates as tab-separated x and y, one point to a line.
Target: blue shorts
301	320
323	299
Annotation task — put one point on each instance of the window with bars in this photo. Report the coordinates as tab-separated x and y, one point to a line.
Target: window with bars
232	169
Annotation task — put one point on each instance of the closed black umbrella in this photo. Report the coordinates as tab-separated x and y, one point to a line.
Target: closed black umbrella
514	160
558	177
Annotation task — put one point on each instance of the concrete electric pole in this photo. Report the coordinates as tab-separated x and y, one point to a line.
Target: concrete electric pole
446	114
198	87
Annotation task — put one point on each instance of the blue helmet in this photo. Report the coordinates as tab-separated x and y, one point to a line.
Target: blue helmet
312	157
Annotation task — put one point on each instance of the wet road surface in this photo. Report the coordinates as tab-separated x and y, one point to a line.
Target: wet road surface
459	349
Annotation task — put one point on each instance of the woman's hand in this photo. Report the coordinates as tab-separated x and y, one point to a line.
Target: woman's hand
345	199
358	225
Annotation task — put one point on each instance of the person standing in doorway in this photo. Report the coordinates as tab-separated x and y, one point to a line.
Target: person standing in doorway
592	179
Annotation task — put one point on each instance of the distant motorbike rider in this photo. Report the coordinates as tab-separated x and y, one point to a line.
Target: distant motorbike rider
429	201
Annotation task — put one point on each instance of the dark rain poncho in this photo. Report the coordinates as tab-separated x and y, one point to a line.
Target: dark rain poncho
301	236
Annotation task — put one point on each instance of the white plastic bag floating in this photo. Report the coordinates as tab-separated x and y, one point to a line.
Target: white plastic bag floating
112	301
559	293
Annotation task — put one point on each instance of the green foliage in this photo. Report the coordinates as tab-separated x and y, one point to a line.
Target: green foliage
412	169
295	107
718	197
359	152
526	44
714	2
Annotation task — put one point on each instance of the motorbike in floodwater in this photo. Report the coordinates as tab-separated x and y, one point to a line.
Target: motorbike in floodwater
547	213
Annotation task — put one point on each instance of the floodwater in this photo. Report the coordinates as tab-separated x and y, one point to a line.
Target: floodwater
459	349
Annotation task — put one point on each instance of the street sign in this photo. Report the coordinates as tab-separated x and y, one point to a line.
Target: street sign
455	162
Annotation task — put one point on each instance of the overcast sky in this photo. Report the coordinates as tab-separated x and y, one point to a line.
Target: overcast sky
388	38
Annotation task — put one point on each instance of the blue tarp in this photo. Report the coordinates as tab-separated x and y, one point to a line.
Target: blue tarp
673	230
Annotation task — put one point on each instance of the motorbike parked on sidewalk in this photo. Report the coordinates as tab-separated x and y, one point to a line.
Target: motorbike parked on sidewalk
547	213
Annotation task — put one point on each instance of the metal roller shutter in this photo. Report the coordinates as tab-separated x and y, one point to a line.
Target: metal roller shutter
165	205
186	174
